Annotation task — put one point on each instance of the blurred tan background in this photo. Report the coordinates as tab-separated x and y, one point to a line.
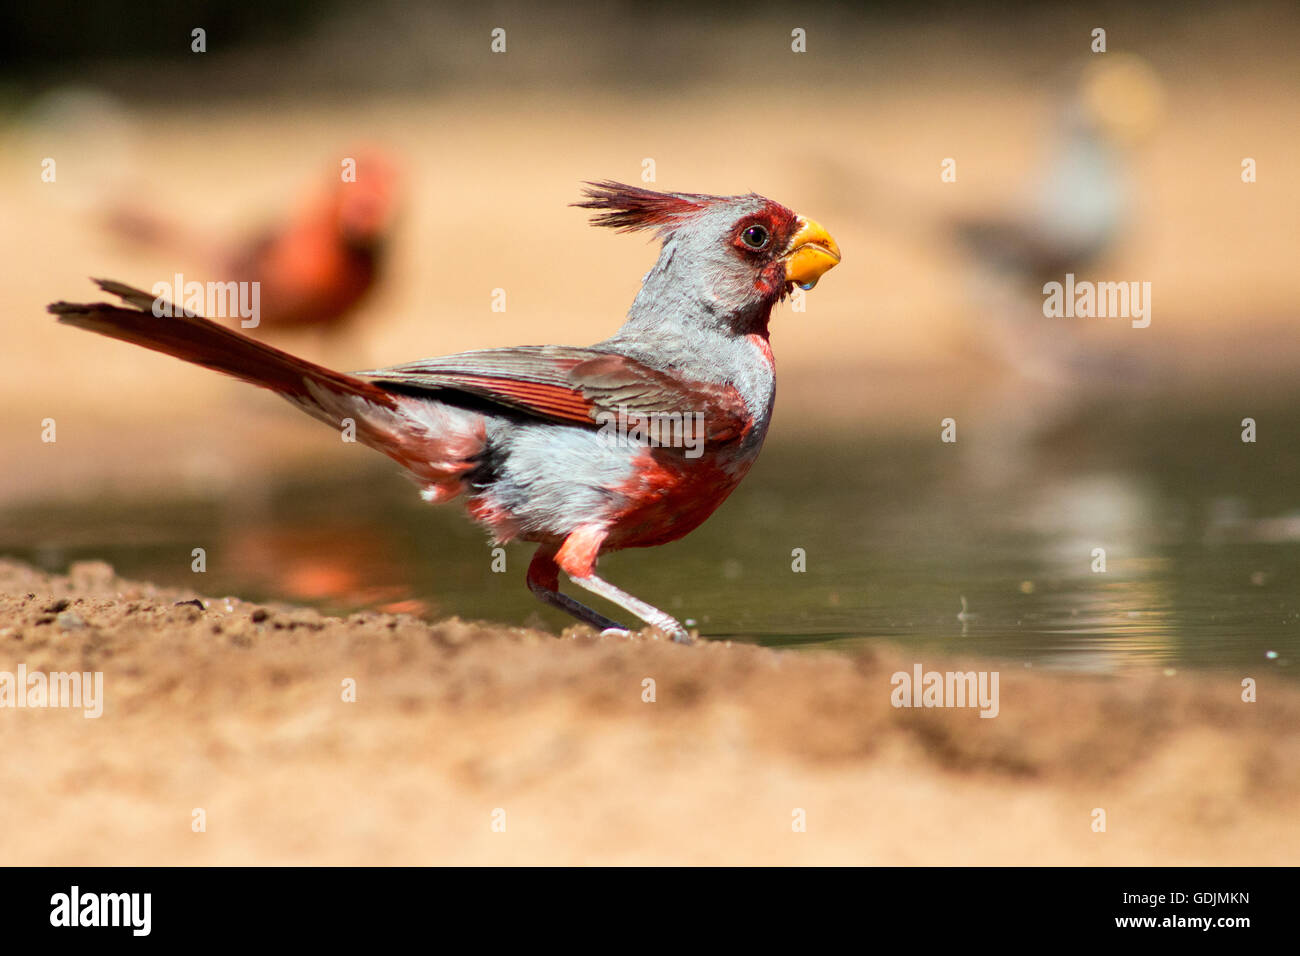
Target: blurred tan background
494	146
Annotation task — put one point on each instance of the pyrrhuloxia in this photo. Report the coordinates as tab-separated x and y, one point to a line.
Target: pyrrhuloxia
557	444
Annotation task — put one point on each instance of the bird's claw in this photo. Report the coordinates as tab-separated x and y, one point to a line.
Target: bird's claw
682	636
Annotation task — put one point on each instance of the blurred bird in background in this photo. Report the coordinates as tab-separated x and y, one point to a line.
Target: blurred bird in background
315	267
1072	220
1072	217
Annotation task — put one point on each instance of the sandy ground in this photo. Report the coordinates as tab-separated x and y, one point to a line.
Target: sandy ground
238	710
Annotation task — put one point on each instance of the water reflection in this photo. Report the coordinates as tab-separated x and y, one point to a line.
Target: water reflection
1201	562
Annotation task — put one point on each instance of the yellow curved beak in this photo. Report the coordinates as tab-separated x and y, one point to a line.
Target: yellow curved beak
811	253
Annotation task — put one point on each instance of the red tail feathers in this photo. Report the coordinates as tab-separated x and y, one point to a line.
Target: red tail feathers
438	443
198	340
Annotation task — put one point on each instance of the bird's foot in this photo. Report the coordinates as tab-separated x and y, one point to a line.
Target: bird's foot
676	636
662	622
682	637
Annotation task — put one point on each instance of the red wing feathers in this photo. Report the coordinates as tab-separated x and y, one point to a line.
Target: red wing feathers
548	401
574	385
621	385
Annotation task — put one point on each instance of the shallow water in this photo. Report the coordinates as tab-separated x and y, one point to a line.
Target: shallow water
1201	536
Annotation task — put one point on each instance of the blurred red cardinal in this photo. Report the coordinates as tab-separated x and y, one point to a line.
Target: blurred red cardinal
631	442
315	268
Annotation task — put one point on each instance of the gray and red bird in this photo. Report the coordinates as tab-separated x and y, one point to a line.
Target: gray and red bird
523	432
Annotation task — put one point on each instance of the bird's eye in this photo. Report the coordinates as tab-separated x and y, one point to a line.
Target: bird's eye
755	237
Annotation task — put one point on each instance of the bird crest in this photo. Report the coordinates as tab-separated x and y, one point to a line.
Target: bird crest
631	208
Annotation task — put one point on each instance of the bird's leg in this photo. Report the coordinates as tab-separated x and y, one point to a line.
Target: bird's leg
634	605
544	581
577	558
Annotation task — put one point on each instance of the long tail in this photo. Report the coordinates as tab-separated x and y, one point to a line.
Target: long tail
437	442
198	340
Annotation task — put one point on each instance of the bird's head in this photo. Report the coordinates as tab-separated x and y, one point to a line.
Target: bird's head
1119	97
366	204
726	259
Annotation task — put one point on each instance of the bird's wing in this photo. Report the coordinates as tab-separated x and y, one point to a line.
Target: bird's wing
572	385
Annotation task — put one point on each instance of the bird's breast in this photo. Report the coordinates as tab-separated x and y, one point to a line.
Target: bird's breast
669	495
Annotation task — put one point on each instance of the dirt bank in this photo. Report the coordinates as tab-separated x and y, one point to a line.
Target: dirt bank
238	710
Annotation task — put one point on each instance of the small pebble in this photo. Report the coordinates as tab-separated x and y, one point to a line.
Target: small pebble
70	620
